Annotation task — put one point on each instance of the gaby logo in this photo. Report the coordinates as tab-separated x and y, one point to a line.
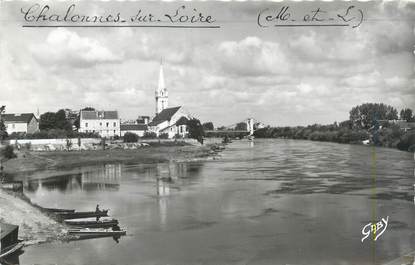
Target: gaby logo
376	229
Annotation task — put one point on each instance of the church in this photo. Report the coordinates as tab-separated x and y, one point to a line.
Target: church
168	120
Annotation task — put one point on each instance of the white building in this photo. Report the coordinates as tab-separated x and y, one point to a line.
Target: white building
20	123
171	121
105	123
138	129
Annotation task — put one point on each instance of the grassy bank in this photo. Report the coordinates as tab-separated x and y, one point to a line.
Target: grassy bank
28	162
389	136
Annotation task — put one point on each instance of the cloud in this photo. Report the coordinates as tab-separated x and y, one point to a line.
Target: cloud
251	57
65	47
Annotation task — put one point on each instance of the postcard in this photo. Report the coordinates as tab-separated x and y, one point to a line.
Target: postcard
207	132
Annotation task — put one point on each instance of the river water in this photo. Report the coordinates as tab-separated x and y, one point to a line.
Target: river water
262	202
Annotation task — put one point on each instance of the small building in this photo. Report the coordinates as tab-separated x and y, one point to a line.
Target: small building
105	123
20	123
171	121
8	235
138	129
143	119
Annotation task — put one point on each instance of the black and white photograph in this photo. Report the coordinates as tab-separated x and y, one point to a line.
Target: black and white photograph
207	132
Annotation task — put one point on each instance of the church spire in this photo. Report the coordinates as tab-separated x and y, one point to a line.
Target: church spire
161	92
161	85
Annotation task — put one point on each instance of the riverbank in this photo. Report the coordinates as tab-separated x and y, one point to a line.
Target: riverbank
391	137
30	162
34	226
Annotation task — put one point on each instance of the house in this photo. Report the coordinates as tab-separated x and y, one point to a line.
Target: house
105	123
171	121
20	123
138	129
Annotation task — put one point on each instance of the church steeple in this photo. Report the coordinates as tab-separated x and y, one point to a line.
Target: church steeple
162	99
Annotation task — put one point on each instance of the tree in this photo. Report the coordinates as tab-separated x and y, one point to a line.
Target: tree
366	115
208	126
130	137
61	121
195	129
89	108
47	121
241	126
406	114
52	120
3	130
8	152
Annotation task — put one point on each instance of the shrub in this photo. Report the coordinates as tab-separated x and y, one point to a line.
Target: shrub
8	152
150	135
164	136
28	145
68	144
407	143
130	137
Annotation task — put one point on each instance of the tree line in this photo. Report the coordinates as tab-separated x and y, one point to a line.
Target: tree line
375	122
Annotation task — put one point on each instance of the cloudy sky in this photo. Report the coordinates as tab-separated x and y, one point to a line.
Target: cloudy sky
280	76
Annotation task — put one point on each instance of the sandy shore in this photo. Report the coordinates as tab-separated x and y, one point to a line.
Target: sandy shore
34	226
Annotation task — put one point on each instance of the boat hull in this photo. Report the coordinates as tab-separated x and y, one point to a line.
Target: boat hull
92	232
92	224
10	250
77	215
56	210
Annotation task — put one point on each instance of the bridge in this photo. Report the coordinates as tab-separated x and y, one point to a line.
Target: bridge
251	126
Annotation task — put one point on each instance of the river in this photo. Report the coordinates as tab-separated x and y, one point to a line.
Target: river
262	202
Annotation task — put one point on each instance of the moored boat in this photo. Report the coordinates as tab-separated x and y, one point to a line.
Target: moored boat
96	232
76	215
57	210
9	242
10	250
92	223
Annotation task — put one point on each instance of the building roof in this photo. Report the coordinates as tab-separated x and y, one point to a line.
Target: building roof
15	117
182	121
164	115
133	127
99	115
6	229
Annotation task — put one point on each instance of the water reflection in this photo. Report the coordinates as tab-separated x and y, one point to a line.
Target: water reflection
104	177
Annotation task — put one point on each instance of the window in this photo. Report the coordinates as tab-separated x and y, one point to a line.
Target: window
108	124
115	125
100	124
86	124
13	126
114	131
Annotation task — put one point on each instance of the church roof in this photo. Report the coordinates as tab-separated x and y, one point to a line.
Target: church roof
98	115
18	118
164	115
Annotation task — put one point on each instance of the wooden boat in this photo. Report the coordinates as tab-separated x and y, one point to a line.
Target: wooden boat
10	249
76	215
56	210
96	232
92	223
